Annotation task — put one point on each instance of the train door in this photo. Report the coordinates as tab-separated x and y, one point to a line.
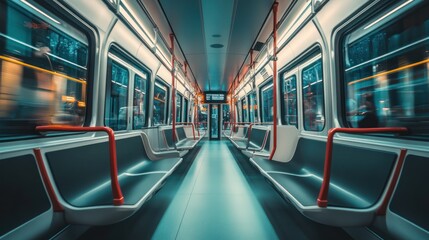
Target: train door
214	122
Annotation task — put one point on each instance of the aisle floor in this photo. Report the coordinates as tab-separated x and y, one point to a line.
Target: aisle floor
216	194
215	200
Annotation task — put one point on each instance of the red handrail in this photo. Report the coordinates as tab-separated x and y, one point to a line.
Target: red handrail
50	189
383	207
118	198
322	200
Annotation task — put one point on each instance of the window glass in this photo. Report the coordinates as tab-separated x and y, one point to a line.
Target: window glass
116	105
290	113
159	104
226	115
178	107
267	103
191	111
253	107
313	97
202	116
239	112
244	109
385	62
139	101
44	70
185	109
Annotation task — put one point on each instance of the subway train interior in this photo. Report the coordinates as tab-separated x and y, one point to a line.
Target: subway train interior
214	119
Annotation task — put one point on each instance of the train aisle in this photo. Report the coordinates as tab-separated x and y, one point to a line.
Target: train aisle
215	194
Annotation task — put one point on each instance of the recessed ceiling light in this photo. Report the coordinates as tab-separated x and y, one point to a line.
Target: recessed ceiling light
216	45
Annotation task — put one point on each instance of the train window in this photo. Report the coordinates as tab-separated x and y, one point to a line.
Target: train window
226	113
116	112
191	111
239	111
385	68
253	107
44	69
290	106
202	115
244	110
178	107
313	96
267	102
185	109
159	103
139	101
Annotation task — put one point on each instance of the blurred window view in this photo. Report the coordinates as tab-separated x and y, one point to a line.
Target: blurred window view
386	68
267	103
191	111
313	96
239	111
139	100
244	110
43	70
290	105
178	107
253	107
185	109
159	103
202	116
116	111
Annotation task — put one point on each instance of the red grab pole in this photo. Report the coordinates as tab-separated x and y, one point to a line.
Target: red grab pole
118	198
275	8
173	97
322	200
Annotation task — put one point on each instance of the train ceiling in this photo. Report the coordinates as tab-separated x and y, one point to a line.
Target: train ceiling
215	36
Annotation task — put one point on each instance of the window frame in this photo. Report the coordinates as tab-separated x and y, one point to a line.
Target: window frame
180	115
419	131
263	87
134	68
185	109
86	29
283	76
244	112
164	86
306	64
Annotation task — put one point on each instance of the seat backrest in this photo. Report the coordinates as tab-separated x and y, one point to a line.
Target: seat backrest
268	143
23	194
82	168
257	136
181	133
168	137
411	194
362	171
287	139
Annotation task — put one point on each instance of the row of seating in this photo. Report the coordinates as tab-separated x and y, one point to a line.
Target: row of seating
182	140
84	183
92	180
358	181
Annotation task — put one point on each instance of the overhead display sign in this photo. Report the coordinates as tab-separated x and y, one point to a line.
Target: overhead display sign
215	97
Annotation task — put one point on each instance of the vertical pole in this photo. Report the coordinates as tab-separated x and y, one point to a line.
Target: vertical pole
173	97
196	112
275	7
